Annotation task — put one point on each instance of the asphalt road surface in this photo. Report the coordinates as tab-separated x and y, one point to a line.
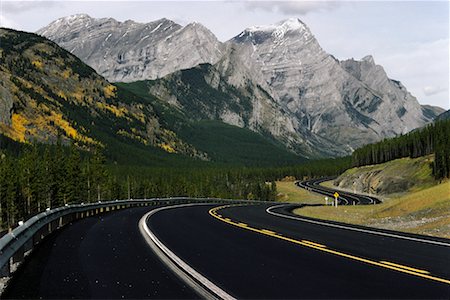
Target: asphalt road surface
345	198
248	251
102	257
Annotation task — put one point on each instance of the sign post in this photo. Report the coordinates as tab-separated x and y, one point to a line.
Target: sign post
336	196
326	201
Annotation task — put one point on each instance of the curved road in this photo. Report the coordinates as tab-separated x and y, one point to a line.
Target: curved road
248	251
100	257
345	198
251	253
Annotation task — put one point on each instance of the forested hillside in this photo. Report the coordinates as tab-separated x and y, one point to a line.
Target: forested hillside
434	138
35	177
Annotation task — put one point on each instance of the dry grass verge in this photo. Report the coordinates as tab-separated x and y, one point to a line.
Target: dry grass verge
424	212
289	192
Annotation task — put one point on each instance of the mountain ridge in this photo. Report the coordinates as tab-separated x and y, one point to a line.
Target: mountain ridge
149	50
317	97
48	95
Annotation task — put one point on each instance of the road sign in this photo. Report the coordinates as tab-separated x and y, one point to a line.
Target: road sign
336	195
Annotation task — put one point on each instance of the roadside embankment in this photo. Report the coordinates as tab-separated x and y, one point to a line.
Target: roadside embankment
289	192
414	203
396	176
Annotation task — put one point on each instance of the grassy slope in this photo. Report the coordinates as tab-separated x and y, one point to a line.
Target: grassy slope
424	212
423	209
289	192
396	176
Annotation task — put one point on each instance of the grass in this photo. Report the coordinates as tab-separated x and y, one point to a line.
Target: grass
396	176
289	192
426	212
328	184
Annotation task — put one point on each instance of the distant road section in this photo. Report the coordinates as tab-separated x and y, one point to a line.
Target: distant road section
345	198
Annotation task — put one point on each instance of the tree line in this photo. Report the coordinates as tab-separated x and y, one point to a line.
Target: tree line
36	177
49	176
434	138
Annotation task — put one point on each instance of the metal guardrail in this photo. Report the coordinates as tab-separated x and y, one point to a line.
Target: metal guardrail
15	245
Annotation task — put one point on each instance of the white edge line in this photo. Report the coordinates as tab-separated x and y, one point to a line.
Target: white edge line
178	261
269	211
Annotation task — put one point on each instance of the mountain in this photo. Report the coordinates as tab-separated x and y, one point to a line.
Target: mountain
274	79
351	102
433	112
129	51
444	116
47	93
206	93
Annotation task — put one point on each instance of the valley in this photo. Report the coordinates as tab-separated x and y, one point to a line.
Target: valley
144	154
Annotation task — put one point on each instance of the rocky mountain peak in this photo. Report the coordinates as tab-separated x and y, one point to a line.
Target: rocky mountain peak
129	51
74	17
199	28
65	22
350	102
282	27
369	59
293	28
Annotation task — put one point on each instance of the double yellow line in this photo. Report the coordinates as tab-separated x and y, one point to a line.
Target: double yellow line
384	264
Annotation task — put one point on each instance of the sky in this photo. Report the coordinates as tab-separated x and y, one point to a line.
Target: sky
410	39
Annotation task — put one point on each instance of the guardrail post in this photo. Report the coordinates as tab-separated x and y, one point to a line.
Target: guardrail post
28	245
6	270
18	256
35	238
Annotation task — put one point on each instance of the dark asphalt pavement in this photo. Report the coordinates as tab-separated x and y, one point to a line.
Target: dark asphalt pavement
106	257
101	257
248	264
345	198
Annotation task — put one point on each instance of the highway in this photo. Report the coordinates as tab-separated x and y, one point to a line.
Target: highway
251	253
100	257
235	251
345	198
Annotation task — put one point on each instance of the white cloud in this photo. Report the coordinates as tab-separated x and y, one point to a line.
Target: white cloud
292	7
7	23
18	7
423	69
433	90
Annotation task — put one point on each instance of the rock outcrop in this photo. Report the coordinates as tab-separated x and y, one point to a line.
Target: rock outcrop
130	51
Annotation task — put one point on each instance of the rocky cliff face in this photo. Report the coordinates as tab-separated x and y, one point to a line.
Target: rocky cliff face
395	176
228	92
129	51
351	102
444	116
272	79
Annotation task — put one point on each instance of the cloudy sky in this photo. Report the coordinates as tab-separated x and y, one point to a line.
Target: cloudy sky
410	39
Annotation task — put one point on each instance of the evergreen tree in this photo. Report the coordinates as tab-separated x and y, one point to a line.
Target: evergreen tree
74	176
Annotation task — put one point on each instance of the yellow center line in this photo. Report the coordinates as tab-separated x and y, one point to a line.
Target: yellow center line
314	244
242	224
386	265
404	267
269	232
